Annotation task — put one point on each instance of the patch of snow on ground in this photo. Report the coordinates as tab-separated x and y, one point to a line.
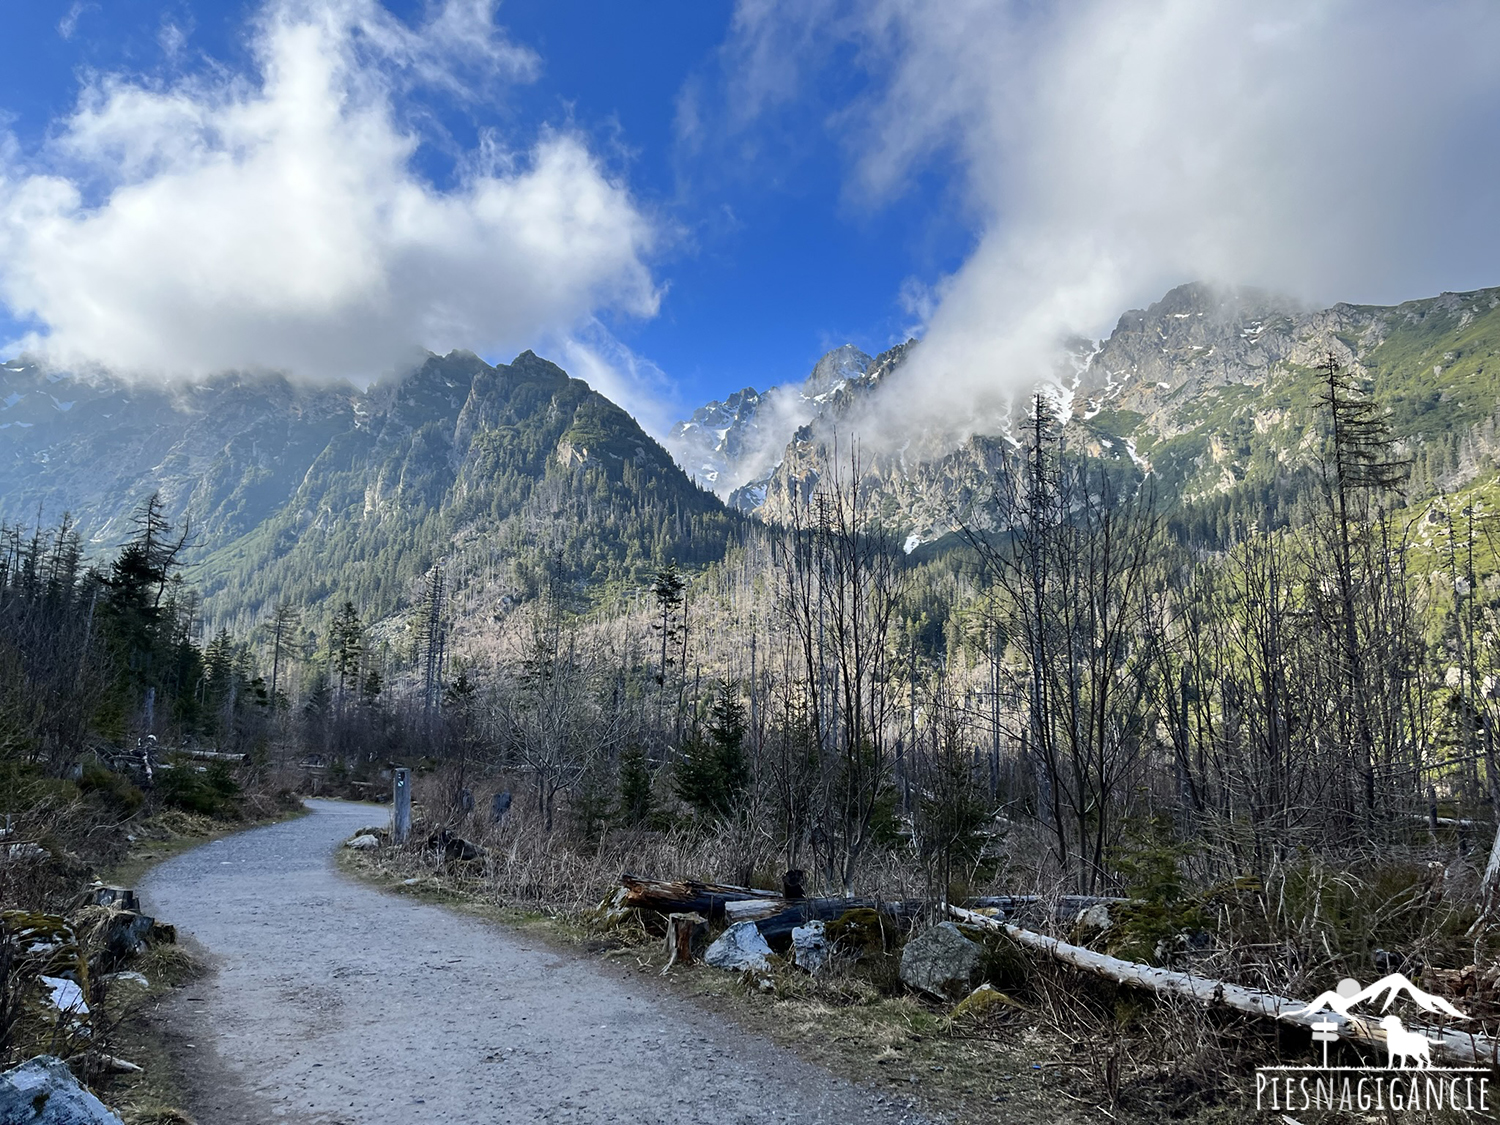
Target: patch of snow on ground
66	995
913	541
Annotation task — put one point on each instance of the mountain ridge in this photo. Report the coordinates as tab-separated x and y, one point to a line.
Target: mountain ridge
1210	389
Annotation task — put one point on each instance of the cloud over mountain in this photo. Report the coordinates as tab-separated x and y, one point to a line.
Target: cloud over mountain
1332	150
281	220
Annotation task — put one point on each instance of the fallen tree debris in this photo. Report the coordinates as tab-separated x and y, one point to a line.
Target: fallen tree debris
681	929
1458	1047
686	896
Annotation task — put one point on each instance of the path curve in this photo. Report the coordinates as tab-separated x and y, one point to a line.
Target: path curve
335	1003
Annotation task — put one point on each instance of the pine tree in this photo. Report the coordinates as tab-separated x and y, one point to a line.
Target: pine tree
636	797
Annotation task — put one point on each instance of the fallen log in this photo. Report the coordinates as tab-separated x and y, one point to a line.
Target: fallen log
1460	1048
214	756
1064	908
752	909
779	926
686	896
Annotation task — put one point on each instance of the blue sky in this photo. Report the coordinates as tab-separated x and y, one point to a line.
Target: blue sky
677	199
762	266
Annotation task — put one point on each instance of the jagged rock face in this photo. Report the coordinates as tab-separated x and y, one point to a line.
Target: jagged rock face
1194	389
824	444
228	450
735	443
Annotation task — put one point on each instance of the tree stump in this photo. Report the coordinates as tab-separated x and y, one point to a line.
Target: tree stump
680	929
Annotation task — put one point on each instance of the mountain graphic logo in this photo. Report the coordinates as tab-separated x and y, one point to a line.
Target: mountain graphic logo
1409	1080
1349	995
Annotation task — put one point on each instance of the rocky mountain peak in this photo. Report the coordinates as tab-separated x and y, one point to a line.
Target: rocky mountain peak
834	369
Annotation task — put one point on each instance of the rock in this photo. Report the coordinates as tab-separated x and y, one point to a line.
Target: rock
739	948
27	853
125	936
863	933
1093	920
363	843
810	947
43	1091
977	1004
940	962
455	847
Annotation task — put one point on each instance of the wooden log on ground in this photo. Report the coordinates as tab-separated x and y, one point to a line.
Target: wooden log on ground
680	896
1062	908
779	926
752	909
214	756
1457	1047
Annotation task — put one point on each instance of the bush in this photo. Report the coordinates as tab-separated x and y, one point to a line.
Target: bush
209	791
118	792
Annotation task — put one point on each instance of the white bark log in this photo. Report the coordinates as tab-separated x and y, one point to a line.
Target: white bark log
1457	1047
1491	871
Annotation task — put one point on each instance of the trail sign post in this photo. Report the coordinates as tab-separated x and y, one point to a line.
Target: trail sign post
401	829
1325	1032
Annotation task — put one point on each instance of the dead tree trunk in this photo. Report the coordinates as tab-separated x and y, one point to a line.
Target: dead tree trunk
680	929
1461	1048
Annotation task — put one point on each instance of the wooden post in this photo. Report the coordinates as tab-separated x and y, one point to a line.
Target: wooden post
401	799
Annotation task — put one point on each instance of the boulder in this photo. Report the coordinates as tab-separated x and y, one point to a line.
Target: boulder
739	948
43	1091
810	947
363	843
940	962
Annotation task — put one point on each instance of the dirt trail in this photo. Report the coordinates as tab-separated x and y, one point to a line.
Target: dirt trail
335	1003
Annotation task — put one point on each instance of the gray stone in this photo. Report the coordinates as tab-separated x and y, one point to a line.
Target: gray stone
810	947
1094	919
363	843
43	1091
940	962
739	948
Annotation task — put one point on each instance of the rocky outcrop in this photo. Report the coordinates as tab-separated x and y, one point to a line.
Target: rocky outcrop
1203	389
731	446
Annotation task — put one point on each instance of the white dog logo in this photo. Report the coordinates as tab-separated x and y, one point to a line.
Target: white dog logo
1405	1045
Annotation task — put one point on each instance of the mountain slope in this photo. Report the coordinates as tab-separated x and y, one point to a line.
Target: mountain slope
1213	391
516	473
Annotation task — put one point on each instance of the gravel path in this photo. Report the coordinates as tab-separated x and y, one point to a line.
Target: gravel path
335	1003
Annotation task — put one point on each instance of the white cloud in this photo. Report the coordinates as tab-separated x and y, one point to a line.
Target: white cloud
69	23
1332	149
277	220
